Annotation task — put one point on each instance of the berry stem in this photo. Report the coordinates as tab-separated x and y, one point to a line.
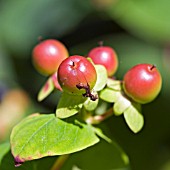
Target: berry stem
100	43
59	162
153	66
40	38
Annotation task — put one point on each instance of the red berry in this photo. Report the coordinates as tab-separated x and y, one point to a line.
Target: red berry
105	56
48	55
77	75
142	83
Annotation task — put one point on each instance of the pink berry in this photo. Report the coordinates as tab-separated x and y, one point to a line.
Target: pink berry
77	75
142	83
105	56
48	55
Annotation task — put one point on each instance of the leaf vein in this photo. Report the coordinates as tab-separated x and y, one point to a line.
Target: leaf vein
35	134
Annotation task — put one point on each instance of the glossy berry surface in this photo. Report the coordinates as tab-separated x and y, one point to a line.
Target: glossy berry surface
48	55
74	72
105	56
142	83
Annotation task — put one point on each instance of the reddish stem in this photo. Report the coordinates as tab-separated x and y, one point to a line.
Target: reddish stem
99	118
100	43
40	38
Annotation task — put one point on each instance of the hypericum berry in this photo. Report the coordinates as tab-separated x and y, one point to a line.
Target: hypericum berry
77	75
142	83
105	56
48	55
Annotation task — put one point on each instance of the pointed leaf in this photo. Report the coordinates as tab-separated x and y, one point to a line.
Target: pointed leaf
109	95
134	118
69	105
47	88
55	81
114	84
121	105
101	77
4	148
45	135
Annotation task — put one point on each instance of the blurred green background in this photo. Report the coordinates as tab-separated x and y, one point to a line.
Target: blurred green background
139	31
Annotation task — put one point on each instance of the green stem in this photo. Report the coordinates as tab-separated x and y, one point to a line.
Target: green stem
59	162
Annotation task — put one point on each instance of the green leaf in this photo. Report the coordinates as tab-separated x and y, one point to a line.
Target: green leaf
39	135
121	104
134	118
114	84
90	105
147	19
47	88
109	95
51	84
103	156
69	105
101	77
4	148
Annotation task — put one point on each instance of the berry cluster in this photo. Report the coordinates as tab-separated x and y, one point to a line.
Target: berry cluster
80	76
142	83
